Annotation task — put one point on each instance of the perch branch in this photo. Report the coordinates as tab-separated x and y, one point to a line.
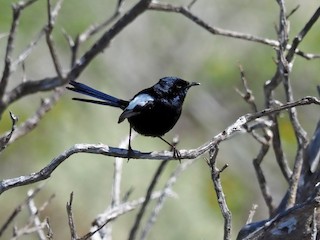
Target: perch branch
238	127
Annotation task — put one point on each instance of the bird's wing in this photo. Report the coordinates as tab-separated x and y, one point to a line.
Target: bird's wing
86	90
139	102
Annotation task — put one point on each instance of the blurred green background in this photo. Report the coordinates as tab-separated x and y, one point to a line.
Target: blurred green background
157	44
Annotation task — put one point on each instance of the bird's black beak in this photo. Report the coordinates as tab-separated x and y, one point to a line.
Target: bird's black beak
193	84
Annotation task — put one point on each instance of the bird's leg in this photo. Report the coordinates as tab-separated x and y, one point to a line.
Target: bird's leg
176	153
130	151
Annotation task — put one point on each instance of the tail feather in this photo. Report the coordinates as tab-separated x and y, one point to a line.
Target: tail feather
86	90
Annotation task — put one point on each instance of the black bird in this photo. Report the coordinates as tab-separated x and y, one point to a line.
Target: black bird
151	112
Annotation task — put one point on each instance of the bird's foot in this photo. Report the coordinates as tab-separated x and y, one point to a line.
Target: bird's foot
130	153
176	154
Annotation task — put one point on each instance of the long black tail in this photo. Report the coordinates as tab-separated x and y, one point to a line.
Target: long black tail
107	99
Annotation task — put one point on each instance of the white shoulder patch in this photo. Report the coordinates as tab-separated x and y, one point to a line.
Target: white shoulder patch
140	100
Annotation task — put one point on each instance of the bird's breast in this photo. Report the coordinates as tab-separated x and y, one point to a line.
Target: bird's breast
155	121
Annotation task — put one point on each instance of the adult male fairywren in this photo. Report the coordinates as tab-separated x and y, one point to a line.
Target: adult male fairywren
151	112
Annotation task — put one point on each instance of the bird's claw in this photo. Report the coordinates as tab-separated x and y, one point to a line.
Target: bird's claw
177	154
130	153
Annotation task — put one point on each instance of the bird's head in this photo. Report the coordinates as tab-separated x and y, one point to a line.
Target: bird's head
174	86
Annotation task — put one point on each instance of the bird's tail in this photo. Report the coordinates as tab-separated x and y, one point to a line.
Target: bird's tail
86	90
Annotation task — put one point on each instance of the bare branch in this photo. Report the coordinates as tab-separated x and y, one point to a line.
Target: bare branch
27	88
119	210
34	214
263	140
104	41
26	52
292	11
96	28
238	126
314	232
298	39
105	230
4	140
31	123
269	88
10	44
214	30
52	14
185	11
50	232
251	213
19	208
287	224
247	96
262	180
49	83
23	4
117	173
215	175
16	8
70	218
301	137
284	68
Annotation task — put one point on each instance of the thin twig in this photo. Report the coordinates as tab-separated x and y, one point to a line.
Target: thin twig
117	174
314	231
293	11
71	219
91	233
9	50
262	180
4	140
50	231
92	30
26	230
105	230
251	213
263	140
31	123
247	96
302	141
105	39
215	175
52	15
34	215
284	66
158	6
26	52
121	209
298	39
16	9
271	85
19	208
